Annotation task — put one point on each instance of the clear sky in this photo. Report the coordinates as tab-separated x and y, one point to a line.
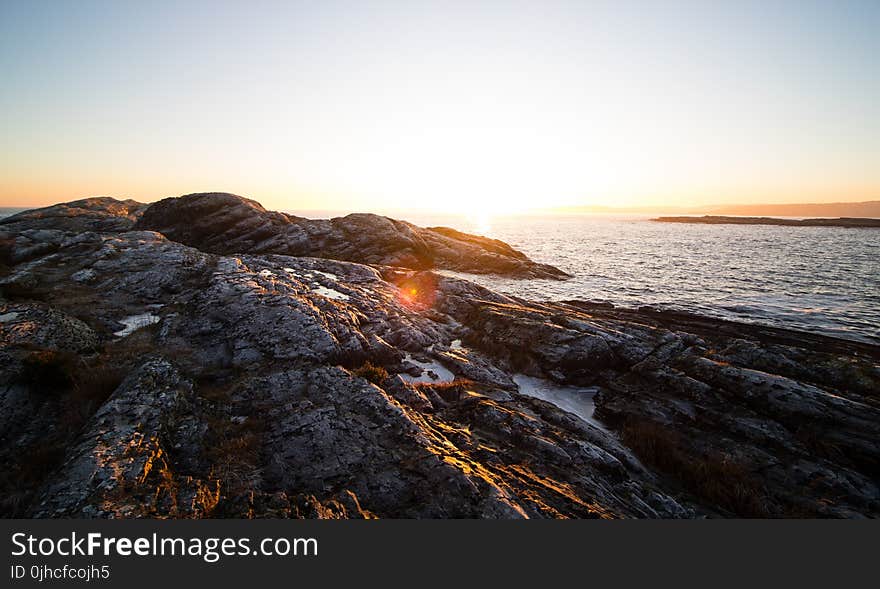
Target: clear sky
452	106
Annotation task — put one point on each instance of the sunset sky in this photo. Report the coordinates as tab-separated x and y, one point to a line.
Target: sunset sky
448	106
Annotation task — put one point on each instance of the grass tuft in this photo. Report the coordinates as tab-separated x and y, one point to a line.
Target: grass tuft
371	372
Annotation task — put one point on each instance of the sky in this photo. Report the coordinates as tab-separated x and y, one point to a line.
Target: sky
459	107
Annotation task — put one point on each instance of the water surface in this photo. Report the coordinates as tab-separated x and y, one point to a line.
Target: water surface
821	279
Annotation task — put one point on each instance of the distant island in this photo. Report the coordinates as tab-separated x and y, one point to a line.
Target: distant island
725	220
870	208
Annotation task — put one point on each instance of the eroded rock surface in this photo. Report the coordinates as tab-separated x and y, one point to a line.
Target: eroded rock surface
262	384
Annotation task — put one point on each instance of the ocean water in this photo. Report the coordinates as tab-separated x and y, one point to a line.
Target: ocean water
820	279
9	211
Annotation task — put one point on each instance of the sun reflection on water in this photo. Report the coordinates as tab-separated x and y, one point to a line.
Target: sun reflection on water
480	222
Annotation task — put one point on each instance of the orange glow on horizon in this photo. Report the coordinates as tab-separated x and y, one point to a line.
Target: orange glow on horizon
473	108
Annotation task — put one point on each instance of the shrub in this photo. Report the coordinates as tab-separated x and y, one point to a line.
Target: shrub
371	372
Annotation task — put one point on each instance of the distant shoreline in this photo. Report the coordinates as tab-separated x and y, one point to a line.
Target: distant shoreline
851	222
846	210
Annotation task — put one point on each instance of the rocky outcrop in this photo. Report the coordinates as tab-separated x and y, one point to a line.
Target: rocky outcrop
88	214
143	377
226	224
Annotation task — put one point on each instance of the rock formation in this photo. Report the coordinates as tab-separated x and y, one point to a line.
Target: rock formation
203	357
225	224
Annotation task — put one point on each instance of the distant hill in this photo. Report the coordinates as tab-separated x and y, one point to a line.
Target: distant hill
869	209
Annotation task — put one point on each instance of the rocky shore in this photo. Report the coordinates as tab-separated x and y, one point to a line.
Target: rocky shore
204	357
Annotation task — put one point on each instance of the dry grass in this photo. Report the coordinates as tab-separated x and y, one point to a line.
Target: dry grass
233	450
97	381
713	477
92	386
371	372
448	391
83	379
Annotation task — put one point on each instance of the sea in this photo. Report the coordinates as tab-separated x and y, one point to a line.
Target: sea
820	279
9	211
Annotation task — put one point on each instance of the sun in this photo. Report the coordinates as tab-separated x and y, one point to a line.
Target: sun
481	163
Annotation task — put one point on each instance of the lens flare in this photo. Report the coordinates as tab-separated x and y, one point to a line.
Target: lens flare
417	291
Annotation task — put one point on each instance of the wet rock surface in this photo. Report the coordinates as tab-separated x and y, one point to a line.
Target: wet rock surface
255	383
